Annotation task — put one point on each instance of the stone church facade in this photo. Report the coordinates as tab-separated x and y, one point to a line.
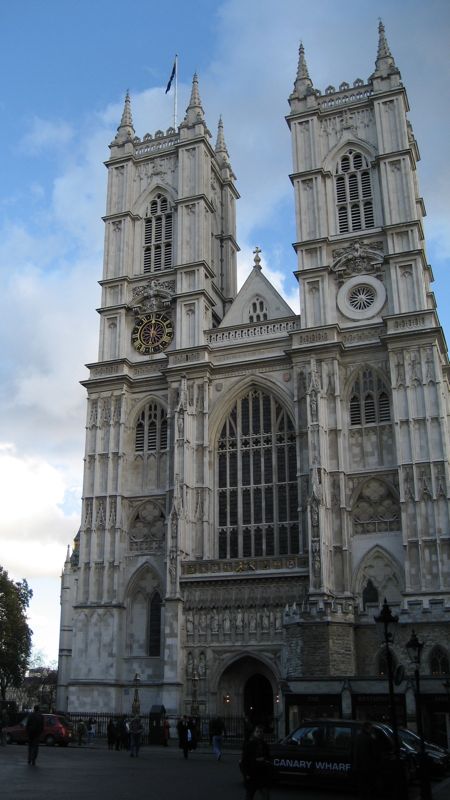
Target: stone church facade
257	482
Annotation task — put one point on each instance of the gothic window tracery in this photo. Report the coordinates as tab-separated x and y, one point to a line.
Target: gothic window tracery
158	235
257	480
354	198
439	662
151	429
258	310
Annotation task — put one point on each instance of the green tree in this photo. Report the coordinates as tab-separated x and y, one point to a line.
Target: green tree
15	635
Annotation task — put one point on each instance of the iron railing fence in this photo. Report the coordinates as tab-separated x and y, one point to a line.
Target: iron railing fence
234	727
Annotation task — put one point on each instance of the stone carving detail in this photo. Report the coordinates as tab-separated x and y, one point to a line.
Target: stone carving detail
400	370
88	513
105	412
153	296
376	509
415	367
358	259
100	516
93	414
408	483
147	530
380	570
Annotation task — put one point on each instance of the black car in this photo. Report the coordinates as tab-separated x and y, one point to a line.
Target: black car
323	751
438	758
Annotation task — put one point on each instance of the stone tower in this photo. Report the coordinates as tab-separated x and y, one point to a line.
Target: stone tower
257	482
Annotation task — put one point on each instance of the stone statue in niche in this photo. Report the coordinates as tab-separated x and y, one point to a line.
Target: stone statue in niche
202	665
265	620
239	621
189	624
252	621
226	621
189	665
315	547
214	621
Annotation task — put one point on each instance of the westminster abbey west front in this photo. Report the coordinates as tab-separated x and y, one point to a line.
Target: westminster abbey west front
257	482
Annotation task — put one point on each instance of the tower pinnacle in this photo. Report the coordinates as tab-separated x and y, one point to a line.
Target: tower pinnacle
221	148
384	63
126	130
194	111
303	85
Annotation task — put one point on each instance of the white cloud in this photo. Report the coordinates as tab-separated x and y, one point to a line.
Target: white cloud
44	134
33	528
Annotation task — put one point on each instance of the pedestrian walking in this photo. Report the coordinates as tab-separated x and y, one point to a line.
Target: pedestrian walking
111	733
255	765
91	730
216	732
184	735
136	731
81	732
34	726
4	722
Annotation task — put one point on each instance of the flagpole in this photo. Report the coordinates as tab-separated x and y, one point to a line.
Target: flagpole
175	94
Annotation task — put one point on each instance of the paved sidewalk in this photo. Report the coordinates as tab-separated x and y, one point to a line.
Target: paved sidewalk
95	773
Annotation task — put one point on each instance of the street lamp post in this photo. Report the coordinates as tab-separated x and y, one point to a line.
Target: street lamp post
414	649
387	618
446	685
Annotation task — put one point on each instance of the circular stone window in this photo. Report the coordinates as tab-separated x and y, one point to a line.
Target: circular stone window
361	297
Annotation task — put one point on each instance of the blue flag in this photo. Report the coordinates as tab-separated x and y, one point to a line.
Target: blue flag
172	75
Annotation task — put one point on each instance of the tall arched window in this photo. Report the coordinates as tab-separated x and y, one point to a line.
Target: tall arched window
354	199
151	429
154	626
383	669
369	400
257	480
439	663
158	235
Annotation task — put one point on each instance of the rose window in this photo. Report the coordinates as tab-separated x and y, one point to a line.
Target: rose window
361	297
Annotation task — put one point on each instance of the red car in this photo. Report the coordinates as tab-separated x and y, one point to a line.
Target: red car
57	730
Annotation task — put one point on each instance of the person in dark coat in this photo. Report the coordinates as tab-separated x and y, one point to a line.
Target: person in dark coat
184	735
136	731
255	765
111	733
35	726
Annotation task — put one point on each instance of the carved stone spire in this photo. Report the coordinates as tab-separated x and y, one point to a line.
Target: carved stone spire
194	111
221	148
126	130
303	85
384	64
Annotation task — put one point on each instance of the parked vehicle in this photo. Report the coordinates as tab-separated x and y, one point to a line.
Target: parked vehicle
323	751
438	757
57	730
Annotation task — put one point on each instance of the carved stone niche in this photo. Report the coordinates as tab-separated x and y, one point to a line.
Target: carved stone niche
146	532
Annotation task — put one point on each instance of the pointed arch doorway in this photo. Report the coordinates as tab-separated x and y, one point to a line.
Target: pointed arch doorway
247	687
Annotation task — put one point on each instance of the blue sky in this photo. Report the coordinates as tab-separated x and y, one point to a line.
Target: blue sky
65	69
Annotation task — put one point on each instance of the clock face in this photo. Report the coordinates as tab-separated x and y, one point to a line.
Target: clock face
152	333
